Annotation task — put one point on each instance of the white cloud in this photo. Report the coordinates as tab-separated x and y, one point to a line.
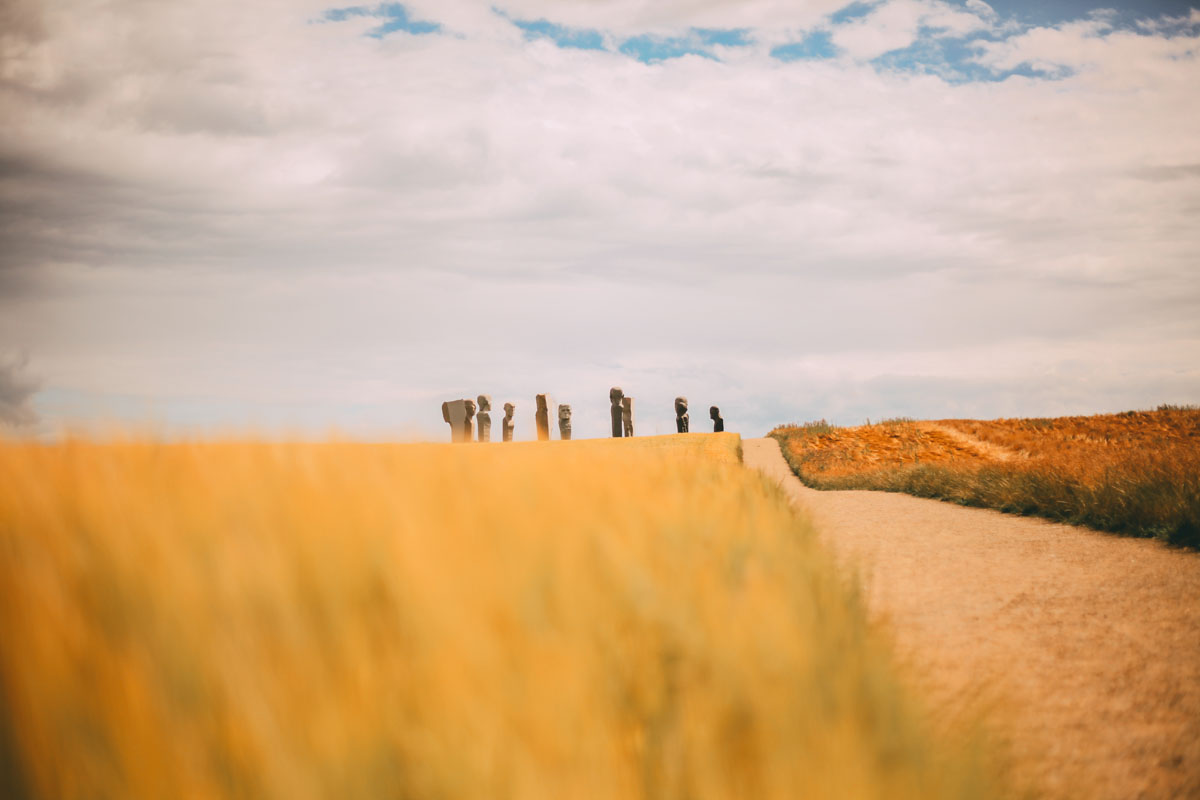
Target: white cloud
896	24
228	212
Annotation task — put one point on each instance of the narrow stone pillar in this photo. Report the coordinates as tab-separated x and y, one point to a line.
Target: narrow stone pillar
483	422
718	423
615	395
627	415
469	406
506	424
564	422
542	416
681	415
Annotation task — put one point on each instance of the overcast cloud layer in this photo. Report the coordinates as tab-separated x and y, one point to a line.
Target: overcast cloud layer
305	216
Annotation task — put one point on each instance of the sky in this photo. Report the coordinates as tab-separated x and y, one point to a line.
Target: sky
308	217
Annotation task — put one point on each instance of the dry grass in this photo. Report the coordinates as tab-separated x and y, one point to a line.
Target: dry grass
1135	473
240	619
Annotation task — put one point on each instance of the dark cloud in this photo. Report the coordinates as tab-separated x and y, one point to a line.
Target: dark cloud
16	391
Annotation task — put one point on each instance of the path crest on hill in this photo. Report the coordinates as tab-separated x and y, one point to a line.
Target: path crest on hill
1087	643
983	448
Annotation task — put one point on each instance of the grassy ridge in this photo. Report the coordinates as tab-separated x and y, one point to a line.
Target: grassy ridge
640	619
1136	473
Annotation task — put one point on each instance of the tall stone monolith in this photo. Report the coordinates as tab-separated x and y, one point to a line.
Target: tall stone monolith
615	396
541	416
627	415
718	423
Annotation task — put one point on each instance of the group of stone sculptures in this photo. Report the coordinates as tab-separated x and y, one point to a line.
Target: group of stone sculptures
459	413
621	411
683	420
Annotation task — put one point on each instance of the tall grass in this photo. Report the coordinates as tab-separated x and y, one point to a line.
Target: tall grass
240	619
1134	473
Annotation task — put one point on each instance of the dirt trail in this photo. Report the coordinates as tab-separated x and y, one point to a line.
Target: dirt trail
1087	643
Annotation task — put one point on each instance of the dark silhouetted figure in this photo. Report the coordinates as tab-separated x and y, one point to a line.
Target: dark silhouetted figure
681	415
718	423
615	395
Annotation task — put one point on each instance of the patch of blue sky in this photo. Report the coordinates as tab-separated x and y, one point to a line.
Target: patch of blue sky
952	59
578	38
1125	13
855	10
818	44
394	15
652	49
723	37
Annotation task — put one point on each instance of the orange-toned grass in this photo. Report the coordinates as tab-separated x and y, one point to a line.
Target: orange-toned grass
1136	473
553	620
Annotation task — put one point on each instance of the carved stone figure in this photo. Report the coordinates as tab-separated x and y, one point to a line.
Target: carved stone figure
506	424
469	406
483	421
681	415
542	416
564	422
718	423
458	414
627	415
615	395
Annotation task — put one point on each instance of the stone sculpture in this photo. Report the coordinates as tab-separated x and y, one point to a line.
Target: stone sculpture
469	408
458	414
681	415
615	395
483	420
718	423
627	415
564	422
506	424
542	417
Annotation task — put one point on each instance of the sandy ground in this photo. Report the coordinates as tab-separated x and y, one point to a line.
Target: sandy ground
1085	646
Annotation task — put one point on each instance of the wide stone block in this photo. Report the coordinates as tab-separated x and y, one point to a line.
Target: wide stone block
458	414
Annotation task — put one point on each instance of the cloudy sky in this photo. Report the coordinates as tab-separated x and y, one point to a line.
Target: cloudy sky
291	215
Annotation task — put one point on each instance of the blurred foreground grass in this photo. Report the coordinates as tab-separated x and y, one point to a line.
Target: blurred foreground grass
563	620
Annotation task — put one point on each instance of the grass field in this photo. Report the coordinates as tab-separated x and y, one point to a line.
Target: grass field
611	619
1134	473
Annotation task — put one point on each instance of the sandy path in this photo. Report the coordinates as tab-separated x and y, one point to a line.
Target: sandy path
1089	644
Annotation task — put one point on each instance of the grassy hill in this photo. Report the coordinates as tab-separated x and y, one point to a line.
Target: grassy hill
1136	473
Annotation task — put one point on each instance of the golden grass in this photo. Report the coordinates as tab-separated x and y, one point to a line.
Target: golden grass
564	620
1135	473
